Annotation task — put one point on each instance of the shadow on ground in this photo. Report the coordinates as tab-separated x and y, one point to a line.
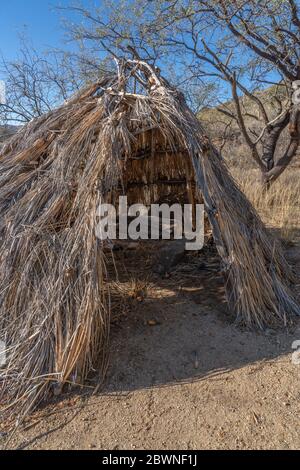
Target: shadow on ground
183	331
173	346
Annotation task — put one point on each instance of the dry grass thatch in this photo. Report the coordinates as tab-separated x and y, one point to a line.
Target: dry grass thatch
55	308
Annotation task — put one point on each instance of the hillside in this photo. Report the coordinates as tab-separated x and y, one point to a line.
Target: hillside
7	131
226	134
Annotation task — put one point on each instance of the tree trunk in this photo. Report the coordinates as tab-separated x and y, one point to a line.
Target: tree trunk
275	169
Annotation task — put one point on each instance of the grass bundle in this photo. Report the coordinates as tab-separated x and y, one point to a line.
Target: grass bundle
55	305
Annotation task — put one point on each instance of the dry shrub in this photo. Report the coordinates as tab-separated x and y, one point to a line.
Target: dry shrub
279	205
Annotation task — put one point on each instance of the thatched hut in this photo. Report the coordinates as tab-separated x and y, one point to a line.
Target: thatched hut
130	133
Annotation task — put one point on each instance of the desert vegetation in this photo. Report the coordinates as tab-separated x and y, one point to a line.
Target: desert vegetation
163	101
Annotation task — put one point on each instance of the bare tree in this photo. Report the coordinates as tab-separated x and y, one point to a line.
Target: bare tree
37	83
269	32
243	44
137	28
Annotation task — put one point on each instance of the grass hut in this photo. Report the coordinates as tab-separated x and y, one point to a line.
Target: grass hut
130	133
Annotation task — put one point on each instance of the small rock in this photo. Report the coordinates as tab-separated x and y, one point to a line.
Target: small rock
169	256
256	418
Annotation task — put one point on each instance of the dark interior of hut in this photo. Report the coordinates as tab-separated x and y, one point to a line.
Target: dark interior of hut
156	172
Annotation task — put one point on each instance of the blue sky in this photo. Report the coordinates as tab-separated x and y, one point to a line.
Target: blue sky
38	18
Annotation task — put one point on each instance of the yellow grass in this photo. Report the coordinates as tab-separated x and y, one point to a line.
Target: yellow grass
279	206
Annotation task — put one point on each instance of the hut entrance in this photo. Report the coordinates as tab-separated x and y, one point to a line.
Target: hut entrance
159	172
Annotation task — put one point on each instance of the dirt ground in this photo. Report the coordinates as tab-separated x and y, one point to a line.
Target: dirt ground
182	375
